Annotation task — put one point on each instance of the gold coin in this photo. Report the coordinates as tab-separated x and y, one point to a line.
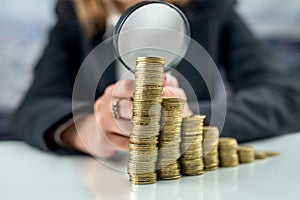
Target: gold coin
246	154
228	152
191	160
259	155
143	151
272	153
170	177
193	172
148	60
230	164
211	168
169	138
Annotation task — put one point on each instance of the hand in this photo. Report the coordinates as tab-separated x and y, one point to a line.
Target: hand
101	134
172	89
114	133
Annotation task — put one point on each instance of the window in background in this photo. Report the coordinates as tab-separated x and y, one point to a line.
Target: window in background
24	26
278	24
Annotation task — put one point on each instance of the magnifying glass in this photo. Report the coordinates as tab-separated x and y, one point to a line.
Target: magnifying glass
152	29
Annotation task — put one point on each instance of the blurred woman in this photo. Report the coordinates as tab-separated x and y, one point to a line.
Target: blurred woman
263	102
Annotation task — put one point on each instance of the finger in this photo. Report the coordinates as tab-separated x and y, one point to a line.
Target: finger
170	80
121	127
125	108
123	89
109	123
169	91
119	141
187	112
178	93
97	105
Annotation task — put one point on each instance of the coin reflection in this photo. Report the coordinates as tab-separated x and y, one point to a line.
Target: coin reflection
104	182
211	185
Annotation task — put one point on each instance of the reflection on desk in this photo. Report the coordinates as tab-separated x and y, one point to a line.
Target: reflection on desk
27	173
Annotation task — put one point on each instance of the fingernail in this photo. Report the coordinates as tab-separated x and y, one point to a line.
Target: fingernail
167	77
162	93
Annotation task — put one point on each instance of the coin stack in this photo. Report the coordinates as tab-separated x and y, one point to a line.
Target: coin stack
260	155
272	153
147	100
246	154
169	138
228	152
191	159
210	148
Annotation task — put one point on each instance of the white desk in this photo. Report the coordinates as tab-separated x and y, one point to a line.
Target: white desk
28	174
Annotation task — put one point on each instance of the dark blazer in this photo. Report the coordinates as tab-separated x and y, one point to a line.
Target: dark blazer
264	102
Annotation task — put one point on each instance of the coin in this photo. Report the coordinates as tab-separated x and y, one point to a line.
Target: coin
191	159
210	148
169	138
147	98
193	167
143	178
260	155
246	154
272	153
228	152
169	172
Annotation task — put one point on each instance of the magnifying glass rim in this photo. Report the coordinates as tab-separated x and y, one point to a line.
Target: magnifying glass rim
129	11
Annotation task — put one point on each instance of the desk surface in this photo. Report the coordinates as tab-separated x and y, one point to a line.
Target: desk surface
26	173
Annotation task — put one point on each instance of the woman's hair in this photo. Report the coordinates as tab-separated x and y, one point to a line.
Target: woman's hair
92	13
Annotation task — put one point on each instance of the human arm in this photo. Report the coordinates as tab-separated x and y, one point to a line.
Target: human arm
48	102
100	134
265	101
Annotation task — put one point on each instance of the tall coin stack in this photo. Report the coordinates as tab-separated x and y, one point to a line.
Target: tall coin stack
246	154
147	100
169	138
191	159
210	148
228	152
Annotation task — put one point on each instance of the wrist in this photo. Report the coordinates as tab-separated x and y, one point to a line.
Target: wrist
71	138
84	137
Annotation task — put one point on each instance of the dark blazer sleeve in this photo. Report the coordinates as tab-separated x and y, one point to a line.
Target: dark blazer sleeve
48	102
265	101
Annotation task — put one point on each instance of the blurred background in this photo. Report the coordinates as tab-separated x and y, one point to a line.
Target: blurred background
24	27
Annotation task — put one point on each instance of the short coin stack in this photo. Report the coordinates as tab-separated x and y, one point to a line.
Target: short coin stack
191	146
272	153
145	120
210	148
228	152
170	138
246	154
259	155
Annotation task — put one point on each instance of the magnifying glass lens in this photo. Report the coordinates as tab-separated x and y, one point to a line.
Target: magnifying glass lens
152	29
